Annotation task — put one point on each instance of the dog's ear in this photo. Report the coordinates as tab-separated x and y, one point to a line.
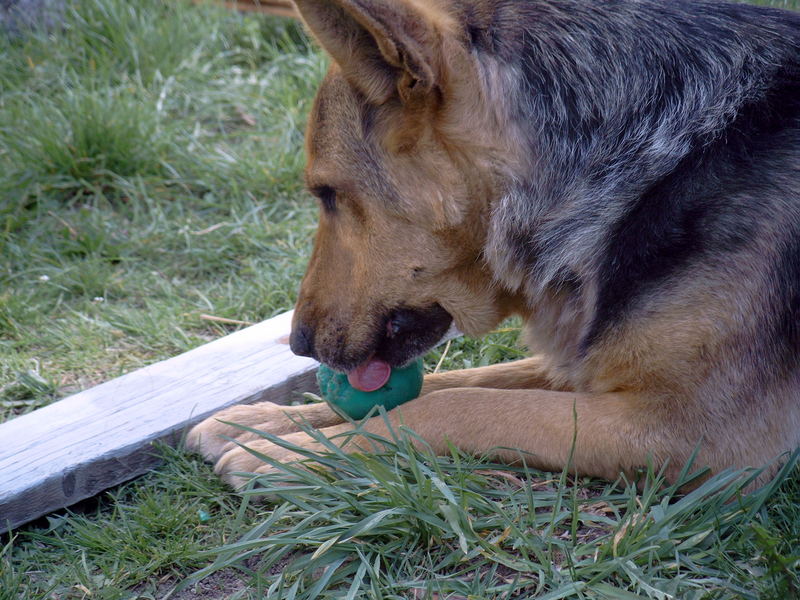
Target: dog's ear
383	47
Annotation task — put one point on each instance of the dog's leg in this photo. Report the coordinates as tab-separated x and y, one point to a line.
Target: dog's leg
209	437
615	432
524	374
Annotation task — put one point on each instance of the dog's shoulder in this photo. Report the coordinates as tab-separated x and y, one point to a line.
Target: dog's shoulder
666	139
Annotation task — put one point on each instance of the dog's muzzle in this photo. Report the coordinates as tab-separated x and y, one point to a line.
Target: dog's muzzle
403	334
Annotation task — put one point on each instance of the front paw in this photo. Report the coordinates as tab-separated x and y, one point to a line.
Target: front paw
236	460
211	438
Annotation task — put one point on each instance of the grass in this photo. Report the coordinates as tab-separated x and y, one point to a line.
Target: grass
150	161
399	524
148	176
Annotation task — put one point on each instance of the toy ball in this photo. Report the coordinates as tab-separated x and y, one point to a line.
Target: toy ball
389	387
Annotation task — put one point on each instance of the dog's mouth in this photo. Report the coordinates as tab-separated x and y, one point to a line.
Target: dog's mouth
406	334
410	332
400	336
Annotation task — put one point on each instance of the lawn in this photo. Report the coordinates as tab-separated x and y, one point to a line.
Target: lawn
150	178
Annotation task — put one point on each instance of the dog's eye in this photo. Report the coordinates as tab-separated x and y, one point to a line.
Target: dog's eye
326	195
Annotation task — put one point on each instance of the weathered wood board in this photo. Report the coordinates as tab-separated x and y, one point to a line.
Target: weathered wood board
83	444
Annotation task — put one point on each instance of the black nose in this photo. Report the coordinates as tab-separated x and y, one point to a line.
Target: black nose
301	341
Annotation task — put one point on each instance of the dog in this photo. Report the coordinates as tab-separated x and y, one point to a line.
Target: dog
624	175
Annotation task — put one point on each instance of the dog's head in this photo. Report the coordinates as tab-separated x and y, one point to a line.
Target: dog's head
403	157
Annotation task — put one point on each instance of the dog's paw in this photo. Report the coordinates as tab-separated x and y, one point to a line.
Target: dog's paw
236	460
210	438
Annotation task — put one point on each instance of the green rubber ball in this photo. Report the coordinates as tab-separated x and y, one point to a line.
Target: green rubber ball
404	384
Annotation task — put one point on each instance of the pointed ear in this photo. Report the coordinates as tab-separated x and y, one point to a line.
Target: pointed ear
382	46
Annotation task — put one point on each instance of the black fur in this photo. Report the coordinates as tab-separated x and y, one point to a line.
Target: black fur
662	134
785	326
410	331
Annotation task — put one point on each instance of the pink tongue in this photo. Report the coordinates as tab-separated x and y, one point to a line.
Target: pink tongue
370	376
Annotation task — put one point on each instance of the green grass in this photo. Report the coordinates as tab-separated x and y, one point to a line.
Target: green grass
399	523
150	162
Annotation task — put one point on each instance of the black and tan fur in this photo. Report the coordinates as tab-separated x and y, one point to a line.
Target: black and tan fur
625	175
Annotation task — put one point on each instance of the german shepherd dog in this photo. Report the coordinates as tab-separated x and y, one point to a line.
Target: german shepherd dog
624	174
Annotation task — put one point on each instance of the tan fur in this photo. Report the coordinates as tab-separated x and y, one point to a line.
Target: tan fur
635	397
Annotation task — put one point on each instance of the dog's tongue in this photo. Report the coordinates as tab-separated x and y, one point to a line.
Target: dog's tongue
370	375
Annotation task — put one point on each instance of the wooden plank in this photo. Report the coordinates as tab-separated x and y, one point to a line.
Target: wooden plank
83	444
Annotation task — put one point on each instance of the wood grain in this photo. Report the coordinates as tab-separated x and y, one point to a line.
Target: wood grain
83	444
